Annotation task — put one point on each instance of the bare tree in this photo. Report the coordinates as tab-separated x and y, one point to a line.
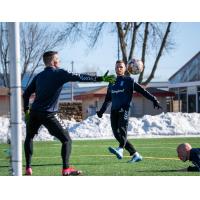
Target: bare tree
35	39
163	45
144	48
154	35
4	71
145	38
149	38
135	27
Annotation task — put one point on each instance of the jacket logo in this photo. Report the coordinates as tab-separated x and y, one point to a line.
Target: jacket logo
117	91
125	115
87	78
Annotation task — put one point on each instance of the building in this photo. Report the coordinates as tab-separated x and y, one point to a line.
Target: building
92	96
4	101
72	89
185	83
93	100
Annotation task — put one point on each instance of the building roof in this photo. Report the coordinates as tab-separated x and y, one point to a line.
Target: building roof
159	84
103	90
157	92
185	65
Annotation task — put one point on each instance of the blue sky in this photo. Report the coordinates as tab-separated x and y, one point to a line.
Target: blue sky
104	55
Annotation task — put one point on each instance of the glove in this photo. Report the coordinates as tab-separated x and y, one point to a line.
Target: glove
99	114
156	104
27	116
108	78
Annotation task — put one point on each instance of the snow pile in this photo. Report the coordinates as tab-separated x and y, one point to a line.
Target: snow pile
4	129
164	124
92	127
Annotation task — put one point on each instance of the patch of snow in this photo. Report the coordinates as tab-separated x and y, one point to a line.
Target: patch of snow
164	124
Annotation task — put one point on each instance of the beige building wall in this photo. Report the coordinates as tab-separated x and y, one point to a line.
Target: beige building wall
139	106
87	105
149	108
142	106
4	105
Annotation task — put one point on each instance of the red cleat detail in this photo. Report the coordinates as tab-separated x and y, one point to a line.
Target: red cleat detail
28	171
70	172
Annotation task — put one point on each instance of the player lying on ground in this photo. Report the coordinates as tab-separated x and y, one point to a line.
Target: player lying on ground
186	152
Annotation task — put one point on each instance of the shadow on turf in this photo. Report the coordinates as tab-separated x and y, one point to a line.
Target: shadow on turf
71	164
163	170
43	165
59	164
36	165
4	166
56	164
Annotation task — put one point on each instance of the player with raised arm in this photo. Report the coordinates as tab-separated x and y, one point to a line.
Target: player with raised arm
47	86
120	95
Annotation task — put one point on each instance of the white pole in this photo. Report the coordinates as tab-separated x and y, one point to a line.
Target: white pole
15	99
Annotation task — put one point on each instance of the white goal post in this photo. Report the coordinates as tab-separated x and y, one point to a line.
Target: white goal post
15	97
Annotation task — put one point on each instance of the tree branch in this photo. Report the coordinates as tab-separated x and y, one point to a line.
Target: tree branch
151	76
144	46
122	41
133	41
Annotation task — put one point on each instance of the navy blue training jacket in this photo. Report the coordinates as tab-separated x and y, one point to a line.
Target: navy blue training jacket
195	159
121	92
47	86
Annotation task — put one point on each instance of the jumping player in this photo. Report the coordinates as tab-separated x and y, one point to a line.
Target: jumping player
120	95
47	86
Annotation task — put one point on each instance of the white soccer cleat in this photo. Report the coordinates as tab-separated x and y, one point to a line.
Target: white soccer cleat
136	158
118	152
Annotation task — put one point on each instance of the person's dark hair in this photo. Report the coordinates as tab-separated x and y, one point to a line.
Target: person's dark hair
120	61
48	56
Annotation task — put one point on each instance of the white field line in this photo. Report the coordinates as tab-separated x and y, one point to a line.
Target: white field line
155	158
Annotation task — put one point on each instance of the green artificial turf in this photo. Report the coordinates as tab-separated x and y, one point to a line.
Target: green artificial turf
93	159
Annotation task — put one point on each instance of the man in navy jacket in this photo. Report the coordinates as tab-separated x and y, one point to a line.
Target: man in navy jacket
120	95
47	86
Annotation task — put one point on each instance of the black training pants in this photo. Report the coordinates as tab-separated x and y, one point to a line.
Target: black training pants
55	127
119	124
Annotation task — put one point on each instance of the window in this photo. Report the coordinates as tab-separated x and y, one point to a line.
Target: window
183	99
191	103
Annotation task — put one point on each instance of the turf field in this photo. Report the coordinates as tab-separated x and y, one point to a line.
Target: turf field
93	158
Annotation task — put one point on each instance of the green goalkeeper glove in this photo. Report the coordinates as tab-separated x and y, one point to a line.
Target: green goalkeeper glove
108	78
27	116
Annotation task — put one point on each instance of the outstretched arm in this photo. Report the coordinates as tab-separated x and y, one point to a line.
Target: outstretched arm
148	95
66	76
